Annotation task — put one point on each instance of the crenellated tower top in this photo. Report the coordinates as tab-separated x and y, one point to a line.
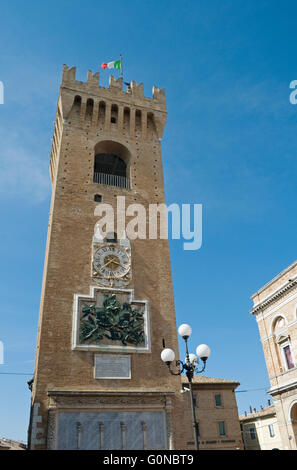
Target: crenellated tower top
111	113
134	93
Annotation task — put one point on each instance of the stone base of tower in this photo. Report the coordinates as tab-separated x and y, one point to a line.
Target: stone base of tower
136	419
108	420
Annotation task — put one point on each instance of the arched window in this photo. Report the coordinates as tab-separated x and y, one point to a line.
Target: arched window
89	108
278	324
114	114
109	164
75	109
101	114
293	418
283	341
77	99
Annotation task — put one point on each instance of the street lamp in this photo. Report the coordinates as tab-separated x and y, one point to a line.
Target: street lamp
189	366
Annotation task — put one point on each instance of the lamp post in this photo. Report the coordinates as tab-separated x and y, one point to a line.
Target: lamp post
189	366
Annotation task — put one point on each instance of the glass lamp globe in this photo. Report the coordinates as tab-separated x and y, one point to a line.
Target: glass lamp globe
184	330
193	359
167	355
203	351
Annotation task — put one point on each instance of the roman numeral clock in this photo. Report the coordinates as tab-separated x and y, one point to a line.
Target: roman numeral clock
111	265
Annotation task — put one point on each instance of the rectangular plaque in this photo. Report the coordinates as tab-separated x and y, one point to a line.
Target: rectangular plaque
112	366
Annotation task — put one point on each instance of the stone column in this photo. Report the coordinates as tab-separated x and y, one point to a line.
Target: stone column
107	117
79	430
95	116
101	430
143	124
168	408
120	119
52	430
83	110
144	428
132	122
124	441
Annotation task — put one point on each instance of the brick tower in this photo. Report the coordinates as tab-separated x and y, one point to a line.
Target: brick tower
106	303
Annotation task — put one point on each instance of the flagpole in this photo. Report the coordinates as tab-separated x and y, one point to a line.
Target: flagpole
121	59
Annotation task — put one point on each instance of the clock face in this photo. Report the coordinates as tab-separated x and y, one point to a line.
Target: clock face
112	262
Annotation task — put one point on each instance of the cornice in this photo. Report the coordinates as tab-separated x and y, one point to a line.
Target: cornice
275	296
276	278
281	388
99	393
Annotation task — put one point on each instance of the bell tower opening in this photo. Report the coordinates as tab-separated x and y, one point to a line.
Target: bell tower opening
111	164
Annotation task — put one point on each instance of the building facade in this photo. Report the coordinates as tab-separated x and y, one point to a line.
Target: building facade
260	430
275	309
216	413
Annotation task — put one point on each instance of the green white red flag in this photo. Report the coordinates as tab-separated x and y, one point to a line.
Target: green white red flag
116	64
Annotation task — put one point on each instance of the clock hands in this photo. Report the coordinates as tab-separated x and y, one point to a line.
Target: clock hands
112	260
115	262
106	264
112	265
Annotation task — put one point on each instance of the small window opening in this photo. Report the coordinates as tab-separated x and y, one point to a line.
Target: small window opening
222	428
218	400
253	433
288	357
111	237
98	198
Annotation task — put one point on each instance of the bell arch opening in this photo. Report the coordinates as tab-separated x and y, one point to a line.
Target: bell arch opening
111	164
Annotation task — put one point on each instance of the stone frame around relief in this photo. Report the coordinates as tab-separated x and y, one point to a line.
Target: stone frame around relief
76	345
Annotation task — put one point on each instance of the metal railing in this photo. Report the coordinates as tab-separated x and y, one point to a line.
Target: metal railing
111	180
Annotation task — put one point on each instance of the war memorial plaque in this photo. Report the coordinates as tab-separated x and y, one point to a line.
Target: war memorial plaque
112	366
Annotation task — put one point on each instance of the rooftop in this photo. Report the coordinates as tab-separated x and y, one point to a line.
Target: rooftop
269	410
9	444
209	380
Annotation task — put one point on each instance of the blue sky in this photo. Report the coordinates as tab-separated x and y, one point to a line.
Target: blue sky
229	144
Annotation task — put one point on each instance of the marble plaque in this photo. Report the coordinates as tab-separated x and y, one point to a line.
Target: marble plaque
112	366
112	430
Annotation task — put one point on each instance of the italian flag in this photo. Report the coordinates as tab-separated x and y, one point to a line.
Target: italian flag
116	64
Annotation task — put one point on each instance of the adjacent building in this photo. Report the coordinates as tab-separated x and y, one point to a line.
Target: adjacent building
10	444
216	413
275	309
260	430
